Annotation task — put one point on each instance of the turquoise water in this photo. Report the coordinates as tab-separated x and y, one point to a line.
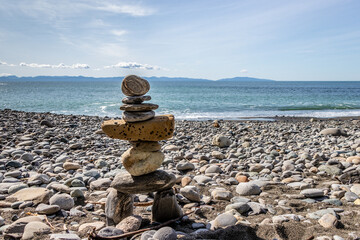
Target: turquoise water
189	100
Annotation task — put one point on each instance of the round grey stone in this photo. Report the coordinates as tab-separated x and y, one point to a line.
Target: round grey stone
191	193
185	166
247	189
27	157
110	231
224	220
202	179
165	233
63	200
15	188
241	207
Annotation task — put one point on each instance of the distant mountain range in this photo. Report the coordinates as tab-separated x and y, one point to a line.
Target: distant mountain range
82	78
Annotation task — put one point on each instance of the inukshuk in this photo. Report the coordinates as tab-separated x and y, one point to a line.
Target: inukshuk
143	130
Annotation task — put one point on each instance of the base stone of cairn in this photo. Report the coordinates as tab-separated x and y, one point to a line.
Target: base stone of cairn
143	129
118	206
165	206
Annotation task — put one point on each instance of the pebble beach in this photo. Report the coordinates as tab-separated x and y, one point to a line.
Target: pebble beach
292	178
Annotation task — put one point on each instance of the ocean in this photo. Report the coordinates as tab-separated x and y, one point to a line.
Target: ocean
194	100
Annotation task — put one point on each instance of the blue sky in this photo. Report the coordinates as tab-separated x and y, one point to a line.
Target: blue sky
277	39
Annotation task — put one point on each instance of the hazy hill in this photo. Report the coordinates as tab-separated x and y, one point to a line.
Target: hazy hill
82	78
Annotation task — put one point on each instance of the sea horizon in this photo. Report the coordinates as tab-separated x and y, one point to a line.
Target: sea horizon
189	100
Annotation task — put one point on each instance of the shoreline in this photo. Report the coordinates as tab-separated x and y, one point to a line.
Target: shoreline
241	119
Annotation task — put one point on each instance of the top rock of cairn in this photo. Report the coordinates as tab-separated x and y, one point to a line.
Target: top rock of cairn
134	86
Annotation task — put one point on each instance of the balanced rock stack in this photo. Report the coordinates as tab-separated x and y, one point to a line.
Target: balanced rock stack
143	130
134	110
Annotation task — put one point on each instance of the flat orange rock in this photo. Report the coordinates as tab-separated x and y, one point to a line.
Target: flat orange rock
155	129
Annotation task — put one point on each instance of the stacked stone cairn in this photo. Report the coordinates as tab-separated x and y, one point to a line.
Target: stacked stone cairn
143	130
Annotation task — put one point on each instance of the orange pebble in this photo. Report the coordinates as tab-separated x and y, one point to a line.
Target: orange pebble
185	181
242	178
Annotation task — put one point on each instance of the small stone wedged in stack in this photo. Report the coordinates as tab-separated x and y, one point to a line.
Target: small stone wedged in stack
136	99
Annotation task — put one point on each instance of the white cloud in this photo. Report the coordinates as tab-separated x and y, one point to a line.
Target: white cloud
132	10
119	33
6	64
61	65
133	65
6	74
244	71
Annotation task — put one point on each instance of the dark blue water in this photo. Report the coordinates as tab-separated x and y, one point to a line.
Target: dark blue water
189	100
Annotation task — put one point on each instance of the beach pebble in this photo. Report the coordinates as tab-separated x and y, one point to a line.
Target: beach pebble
221	141
36	195
333	132
100	184
110	231
185	166
63	200
33	228
240	207
350	196
202	179
191	193
218	155
47	209
328	221
318	214
247	189
213	169
331	170
64	236
355	189
71	166
223	220
129	224
148	235
27	157
165	233
15	188
97	225
312	193
221	194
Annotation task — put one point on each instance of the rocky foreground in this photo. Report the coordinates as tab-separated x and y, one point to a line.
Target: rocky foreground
235	180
